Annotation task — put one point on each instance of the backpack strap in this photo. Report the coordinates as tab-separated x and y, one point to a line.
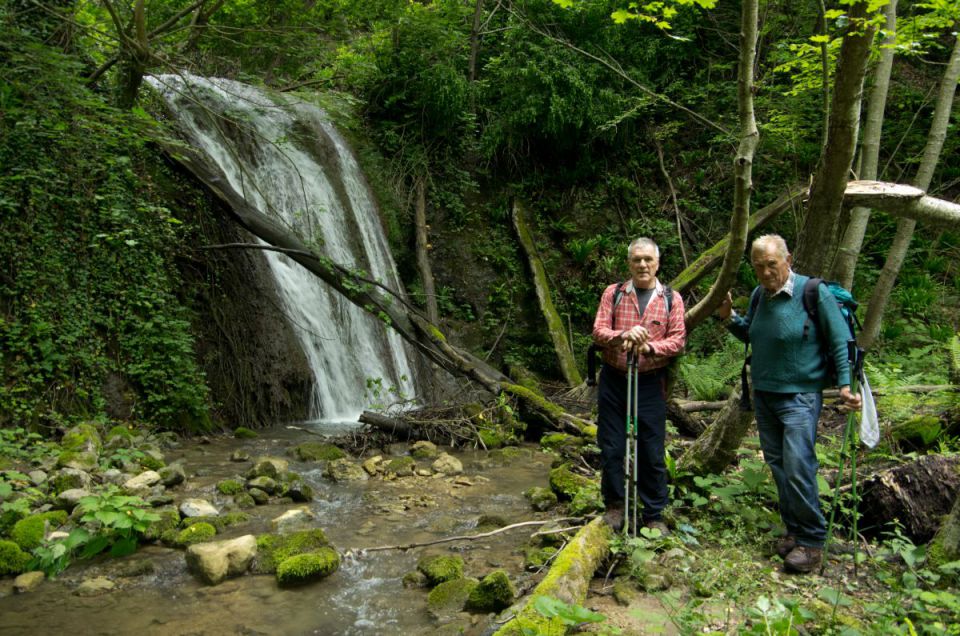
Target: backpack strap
617	297
593	349
745	403
811	299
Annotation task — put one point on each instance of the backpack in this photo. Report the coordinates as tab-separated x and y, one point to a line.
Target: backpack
593	350
811	296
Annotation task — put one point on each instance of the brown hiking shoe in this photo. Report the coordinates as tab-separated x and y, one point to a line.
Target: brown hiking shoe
786	545
657	524
614	517
803	559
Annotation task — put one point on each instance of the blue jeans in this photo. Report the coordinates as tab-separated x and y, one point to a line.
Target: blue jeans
787	423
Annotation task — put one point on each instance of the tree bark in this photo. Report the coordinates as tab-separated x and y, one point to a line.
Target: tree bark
815	248
475	41
423	253
917	495
903	201
845	264
717	446
568	580
558	336
928	164
946	544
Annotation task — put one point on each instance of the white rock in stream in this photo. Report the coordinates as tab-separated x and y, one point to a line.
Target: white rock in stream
68	499
95	587
448	465
215	561
198	508
293	520
143	481
27	582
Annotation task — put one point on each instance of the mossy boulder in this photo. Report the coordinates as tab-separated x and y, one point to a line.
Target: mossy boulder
120	432
540	498
423	449
153	460
242	432
272	549
165	525
440	568
13	560
80	447
492	437
341	470
317	452
230	487
244	500
297	490
28	533
565	483
495	593
919	432
587	500
195	533
266	484
271	467
309	567
220	522
401	466
70	479
450	597
561	442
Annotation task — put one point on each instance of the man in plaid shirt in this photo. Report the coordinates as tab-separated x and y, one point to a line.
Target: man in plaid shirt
633	317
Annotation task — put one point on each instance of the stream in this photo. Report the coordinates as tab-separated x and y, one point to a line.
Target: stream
365	596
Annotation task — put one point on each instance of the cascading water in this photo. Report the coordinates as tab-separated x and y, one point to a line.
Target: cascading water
286	158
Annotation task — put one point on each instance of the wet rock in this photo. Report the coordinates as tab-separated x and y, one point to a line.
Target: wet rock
266	484
242	432
298	490
495	593
95	587
373	465
317	451
153	459
541	499
276	548
271	467
565	483
293	520
448	465
215	561
260	497
195	533
80	448
344	470
244	500
173	475
168	521
158	501
240	456
447	600
143	481
440	568
309	567
415	580
37	477
67	478
68	499
113	476
197	508
424	450
462	481
490	522
135	567
27	582
401	466
423	472
625	592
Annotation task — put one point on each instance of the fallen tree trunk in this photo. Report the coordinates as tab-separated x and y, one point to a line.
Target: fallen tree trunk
567	580
917	495
694	406
717	446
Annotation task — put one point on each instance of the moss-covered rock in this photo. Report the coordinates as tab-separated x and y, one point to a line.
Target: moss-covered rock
485	523
440	568
272	549
305	568
230	487
558	442
80	447
415	579
13	560
167	523
344	470
401	466
565	483
266	484
271	467
195	533
244	500
492	438
152	460
587	500
535	558
28	533
121	432
220	522
423	449
918	432
495	593
317	452
297	490
242	432
450	597
540	498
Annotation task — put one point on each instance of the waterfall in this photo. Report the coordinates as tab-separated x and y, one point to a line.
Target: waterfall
286	158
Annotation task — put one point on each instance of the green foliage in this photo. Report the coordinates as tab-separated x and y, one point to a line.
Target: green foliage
569	614
709	377
28	533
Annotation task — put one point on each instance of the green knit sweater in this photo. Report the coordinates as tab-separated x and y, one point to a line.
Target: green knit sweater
783	360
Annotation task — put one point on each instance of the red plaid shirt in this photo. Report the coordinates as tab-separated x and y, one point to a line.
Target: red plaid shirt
667	334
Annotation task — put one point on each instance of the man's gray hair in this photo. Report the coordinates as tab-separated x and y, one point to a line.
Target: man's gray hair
767	241
643	241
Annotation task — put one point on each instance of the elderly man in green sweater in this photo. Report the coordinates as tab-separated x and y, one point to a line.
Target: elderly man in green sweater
788	374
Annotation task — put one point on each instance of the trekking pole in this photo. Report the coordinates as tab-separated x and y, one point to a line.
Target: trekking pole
627	456
636	447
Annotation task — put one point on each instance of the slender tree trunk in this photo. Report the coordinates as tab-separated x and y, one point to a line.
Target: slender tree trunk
817	241
423	253
742	170
717	446
475	41
558	336
824	67
928	164
846	262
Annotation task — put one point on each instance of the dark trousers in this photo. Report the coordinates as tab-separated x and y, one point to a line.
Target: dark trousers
651	470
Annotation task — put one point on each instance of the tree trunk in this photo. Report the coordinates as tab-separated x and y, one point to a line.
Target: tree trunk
917	494
903	201
901	242
568	580
717	446
846	262
558	335
742	170
475	41
423	253
815	247
946	544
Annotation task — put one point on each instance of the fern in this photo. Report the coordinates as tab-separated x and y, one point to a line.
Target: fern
710	377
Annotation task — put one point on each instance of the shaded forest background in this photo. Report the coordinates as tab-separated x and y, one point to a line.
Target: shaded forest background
111	308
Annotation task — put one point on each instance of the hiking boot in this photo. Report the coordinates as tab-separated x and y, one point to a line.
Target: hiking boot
658	524
803	559
614	517
786	545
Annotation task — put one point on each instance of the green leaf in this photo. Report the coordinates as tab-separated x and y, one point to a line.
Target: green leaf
621	16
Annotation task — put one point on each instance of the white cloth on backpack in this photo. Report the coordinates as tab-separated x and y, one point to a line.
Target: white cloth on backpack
869	424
